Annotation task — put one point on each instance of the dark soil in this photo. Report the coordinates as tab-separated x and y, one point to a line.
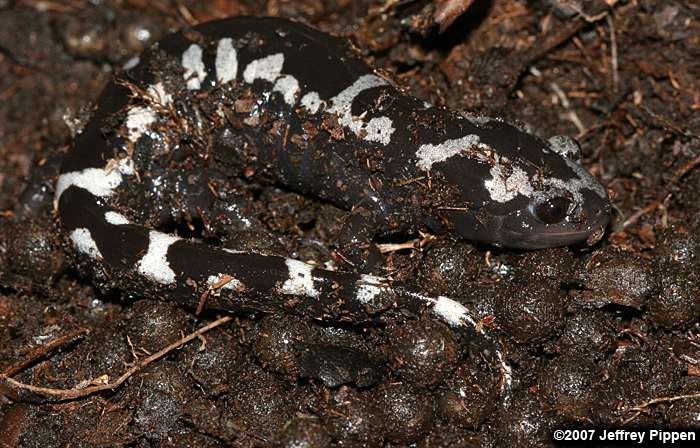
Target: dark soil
602	336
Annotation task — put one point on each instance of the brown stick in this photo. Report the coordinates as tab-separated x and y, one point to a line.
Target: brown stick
43	351
72	394
667	194
638	409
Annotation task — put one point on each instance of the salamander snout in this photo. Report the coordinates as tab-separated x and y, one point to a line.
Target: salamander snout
528	208
562	204
559	221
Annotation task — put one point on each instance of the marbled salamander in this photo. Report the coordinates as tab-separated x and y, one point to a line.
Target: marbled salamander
394	161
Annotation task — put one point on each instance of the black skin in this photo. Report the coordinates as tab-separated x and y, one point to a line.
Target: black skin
381	186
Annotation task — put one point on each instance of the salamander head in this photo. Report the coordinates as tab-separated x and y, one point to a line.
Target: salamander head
530	194
553	217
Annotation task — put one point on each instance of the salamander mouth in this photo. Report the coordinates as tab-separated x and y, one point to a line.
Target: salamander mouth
558	236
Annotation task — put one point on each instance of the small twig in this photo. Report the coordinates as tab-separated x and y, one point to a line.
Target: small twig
685	169
638	409
592	18
43	351
393	247
186	15
223	281
386	6
668	192
447	11
664	123
564	100
456	209
613	52
405	182
639	213
570	112
48	6
564	33
343	258
72	394
628	420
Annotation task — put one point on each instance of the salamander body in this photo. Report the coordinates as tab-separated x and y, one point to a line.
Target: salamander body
302	110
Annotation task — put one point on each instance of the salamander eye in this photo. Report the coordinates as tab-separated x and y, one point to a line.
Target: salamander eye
551	211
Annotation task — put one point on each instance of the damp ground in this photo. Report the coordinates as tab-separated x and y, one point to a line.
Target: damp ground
602	336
